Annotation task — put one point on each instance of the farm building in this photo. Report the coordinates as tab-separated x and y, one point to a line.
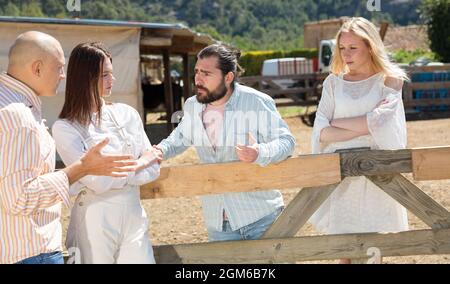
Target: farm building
132	45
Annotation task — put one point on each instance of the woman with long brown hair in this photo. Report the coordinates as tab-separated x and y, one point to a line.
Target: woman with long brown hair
108	223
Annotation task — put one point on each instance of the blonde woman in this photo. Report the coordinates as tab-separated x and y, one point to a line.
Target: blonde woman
361	106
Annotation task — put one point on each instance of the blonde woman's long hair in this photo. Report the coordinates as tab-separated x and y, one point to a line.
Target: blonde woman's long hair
368	32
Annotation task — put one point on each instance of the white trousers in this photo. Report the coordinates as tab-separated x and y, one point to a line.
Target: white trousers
111	227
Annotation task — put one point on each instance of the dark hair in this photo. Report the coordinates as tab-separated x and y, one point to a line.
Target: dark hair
83	74
228	59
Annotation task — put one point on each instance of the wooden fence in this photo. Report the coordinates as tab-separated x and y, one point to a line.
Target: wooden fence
411	87
318	175
306	89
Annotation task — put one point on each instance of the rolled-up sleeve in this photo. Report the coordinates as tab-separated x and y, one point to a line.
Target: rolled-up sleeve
24	185
275	140
181	137
151	172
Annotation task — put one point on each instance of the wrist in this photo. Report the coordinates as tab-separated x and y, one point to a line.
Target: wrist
336	123
262	156
75	171
161	148
143	163
332	122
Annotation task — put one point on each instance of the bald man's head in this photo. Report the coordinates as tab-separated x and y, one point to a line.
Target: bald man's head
37	59
31	46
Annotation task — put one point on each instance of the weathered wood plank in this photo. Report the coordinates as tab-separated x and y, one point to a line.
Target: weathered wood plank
421	69
427	102
252	79
168	92
421	242
290	91
315	170
407	94
375	162
431	163
414	199
156	41
298	211
273	84
195	180
430	85
187	87
284	102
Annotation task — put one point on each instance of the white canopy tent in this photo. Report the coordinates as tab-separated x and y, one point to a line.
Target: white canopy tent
123	43
127	41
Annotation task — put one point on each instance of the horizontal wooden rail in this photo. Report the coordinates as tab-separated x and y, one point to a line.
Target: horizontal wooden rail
420	242
375	162
427	102
422	69
302	171
290	91
256	79
239	177
430	85
431	163
291	102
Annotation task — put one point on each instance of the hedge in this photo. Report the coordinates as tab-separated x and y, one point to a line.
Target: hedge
252	61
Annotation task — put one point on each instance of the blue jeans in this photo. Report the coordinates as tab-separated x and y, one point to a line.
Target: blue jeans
252	231
44	258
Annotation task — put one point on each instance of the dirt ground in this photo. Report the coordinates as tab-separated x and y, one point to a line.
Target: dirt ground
179	220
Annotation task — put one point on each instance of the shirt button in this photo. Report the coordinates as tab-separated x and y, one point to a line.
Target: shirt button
81	203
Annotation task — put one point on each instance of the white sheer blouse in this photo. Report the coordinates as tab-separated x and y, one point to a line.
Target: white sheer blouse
344	99
357	204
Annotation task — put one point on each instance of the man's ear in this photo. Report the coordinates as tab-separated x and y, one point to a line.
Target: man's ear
36	68
229	78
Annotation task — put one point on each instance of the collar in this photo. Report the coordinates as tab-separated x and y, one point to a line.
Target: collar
30	98
232	102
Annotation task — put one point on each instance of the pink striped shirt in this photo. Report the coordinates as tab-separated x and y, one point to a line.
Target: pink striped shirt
31	193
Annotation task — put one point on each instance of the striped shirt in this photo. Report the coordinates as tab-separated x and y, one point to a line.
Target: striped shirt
31	193
247	111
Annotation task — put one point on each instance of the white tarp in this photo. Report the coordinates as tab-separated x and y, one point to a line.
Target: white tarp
122	42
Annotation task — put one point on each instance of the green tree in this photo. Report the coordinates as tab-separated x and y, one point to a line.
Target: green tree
212	32
249	24
32	9
436	14
11	10
54	8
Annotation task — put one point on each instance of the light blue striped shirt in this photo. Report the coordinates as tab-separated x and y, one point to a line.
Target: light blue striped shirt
247	111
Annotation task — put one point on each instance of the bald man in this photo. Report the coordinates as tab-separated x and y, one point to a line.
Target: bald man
31	192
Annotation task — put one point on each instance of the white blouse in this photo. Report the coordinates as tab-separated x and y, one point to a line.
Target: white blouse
71	146
357	204
344	99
